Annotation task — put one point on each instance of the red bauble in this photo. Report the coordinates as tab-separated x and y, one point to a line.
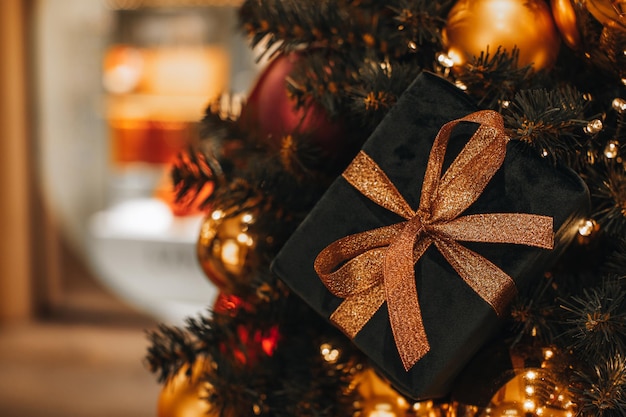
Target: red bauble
272	112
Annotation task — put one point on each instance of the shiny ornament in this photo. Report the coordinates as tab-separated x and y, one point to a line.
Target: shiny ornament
610	13
272	112
475	25
226	249
230	304
184	394
379	398
530	392
564	14
601	31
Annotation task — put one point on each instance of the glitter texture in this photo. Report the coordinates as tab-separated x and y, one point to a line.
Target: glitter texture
376	266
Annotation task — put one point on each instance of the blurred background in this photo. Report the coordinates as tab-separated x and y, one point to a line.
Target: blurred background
96	99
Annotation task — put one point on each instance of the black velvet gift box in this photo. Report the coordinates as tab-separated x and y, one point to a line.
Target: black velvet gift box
456	319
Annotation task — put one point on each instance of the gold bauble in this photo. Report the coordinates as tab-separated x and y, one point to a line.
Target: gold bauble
610	13
596	30
475	25
530	392
226	249
184	395
564	14
379	398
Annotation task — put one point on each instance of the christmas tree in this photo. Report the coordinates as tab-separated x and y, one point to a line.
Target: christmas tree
555	71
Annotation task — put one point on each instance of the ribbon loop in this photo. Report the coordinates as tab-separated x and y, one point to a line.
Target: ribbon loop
376	266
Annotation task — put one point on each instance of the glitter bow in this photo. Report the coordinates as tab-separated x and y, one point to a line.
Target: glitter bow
366	269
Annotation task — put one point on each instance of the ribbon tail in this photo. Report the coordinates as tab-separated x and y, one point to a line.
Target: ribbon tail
491	283
369	179
405	314
348	266
354	312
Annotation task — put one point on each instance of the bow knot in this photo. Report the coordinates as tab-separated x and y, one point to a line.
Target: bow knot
376	266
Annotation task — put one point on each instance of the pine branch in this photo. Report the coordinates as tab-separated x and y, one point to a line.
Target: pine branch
171	349
493	78
550	121
601	392
607	184
596	320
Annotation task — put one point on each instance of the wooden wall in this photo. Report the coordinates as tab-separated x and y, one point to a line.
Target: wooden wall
16	290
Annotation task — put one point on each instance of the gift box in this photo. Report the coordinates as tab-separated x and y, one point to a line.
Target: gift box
417	249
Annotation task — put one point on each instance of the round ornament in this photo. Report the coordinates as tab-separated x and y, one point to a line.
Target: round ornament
379	398
531	392
610	13
226	249
184	394
475	25
564	14
272	112
596	30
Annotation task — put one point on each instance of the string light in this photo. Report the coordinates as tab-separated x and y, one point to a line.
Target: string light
329	353
587	227
612	149
593	126
619	105
445	60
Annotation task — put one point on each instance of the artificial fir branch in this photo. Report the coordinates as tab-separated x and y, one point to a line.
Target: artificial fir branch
419	21
596	319
533	314
601	392
171	348
607	184
493	77
616	261
550	121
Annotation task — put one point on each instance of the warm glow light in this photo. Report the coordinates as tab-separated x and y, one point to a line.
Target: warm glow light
230	252
619	104
593	126
529	390
445	60
529	405
247	218
245	239
382	410
329	353
548	354
217	214
531	375
612	149
587	227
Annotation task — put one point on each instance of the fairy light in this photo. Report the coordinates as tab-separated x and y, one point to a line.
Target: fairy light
445	60
382	410
593	127
619	105
612	149
217	214
529	405
329	353
460	85
587	227
548	354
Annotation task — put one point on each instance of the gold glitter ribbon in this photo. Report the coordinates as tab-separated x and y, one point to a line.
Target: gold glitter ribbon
366	269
